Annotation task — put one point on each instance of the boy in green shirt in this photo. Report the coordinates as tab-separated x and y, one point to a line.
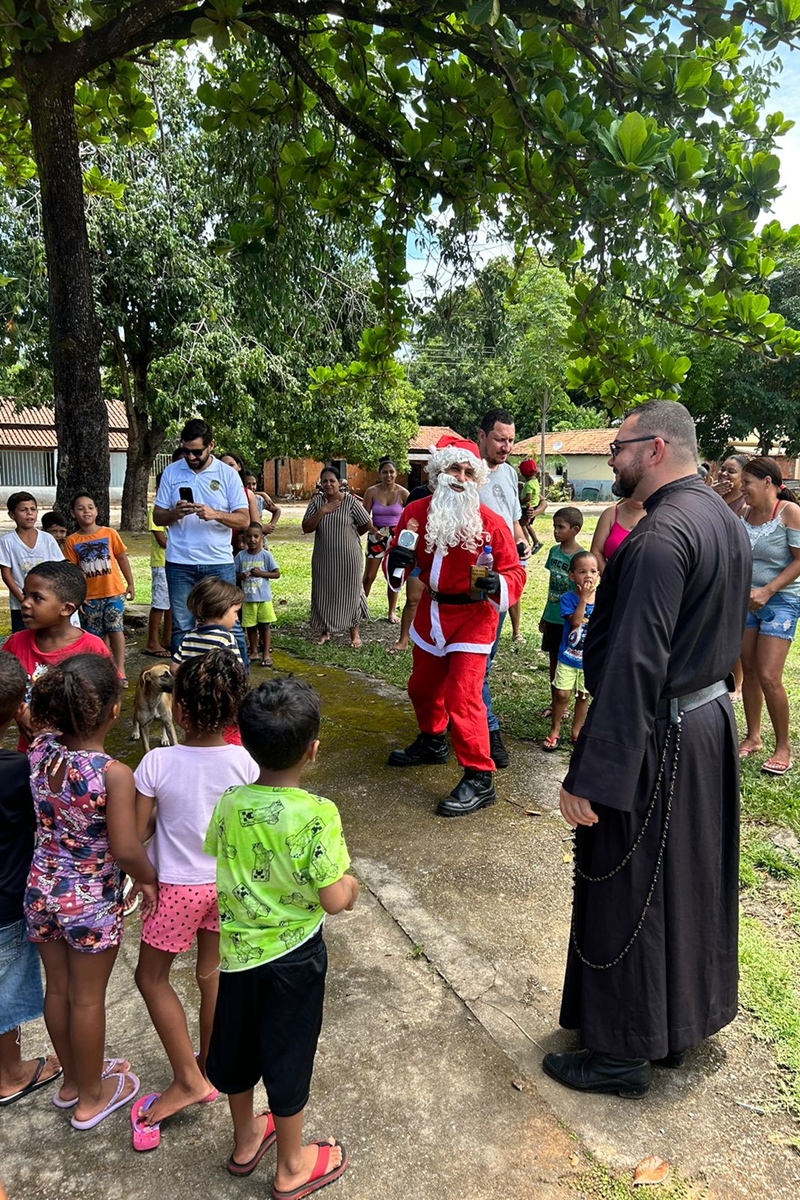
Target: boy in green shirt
281	862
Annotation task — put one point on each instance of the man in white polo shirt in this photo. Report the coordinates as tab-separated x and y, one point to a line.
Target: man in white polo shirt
501	494
199	539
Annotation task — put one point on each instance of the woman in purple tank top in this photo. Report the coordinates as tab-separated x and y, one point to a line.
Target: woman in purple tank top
613	526
384	502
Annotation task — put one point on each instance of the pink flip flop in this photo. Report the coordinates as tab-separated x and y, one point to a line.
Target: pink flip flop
116	1101
145	1137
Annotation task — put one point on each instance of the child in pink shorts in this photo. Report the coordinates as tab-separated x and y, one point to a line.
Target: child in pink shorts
177	788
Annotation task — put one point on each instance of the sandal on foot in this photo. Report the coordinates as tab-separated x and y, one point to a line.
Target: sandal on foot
145	1137
242	1169
34	1083
116	1101
748	750
551	743
773	766
320	1176
266	662
111	1066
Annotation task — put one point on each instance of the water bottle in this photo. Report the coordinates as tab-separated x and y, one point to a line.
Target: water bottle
483	565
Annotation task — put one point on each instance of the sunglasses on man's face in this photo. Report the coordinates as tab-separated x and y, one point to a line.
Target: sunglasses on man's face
193	453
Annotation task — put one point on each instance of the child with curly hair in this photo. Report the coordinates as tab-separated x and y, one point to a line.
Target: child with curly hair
177	788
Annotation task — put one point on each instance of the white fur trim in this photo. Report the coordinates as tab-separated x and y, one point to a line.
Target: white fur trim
500	604
440	460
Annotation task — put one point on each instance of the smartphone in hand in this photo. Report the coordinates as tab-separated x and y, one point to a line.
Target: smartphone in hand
186	494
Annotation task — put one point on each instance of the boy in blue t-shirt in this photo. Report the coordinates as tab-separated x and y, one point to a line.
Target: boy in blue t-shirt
255	566
576	608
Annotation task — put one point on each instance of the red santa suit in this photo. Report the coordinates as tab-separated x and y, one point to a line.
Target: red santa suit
452	640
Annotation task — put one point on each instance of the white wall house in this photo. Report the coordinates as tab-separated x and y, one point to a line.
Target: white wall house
29	451
585	452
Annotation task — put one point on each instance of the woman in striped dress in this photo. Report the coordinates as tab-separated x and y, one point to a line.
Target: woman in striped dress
338	522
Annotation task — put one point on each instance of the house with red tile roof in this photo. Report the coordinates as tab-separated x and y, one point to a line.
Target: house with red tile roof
29	449
584	453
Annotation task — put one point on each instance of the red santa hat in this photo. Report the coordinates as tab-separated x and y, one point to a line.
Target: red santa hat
451	449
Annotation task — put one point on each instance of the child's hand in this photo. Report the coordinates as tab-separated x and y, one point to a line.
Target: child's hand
149	894
130	593
541	625
589	586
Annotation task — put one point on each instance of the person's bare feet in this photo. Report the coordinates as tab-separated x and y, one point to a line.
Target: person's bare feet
750	745
397	647
355	643
326	637
286	1182
68	1092
107	1093
175	1098
245	1150
26	1071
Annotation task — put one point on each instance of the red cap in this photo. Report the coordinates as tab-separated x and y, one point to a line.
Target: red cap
527	467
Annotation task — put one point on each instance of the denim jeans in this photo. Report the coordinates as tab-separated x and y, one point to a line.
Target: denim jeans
181	578
491	720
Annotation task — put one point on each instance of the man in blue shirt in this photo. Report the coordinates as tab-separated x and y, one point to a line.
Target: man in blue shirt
199	540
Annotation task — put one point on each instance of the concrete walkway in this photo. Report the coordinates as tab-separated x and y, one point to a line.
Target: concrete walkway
443	993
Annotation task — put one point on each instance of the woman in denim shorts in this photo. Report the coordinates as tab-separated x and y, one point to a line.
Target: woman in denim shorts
772	520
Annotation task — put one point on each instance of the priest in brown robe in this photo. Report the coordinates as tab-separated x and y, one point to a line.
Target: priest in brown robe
653	786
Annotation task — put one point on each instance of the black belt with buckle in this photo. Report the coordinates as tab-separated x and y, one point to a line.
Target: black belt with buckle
449	598
677	705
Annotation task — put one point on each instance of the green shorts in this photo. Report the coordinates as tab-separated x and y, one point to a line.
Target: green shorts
260	612
569	679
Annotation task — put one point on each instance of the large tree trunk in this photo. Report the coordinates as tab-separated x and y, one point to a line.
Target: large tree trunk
144	442
80	413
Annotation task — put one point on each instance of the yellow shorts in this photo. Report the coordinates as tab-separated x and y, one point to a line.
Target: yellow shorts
259	612
567	679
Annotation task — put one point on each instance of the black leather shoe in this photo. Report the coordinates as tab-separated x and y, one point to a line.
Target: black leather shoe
474	791
673	1060
497	751
590	1071
426	748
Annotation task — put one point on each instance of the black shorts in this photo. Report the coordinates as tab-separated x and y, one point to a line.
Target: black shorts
551	635
267	1024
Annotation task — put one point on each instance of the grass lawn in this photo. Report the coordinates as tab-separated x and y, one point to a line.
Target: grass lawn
770	865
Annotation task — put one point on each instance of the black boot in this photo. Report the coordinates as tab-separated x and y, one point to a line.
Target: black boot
497	750
590	1071
476	790
426	748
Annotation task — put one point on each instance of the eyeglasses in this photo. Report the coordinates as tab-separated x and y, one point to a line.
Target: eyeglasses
193	453
615	447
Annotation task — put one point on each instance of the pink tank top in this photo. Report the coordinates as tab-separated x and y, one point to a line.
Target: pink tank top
386	516
616	536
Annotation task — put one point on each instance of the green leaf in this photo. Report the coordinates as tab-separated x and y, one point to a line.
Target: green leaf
631	136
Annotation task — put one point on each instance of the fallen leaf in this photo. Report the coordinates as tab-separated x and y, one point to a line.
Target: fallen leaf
574	1161
519	1084
532	812
567	858
651	1170
320	674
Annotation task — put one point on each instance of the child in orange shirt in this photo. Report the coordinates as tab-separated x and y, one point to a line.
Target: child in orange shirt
102	556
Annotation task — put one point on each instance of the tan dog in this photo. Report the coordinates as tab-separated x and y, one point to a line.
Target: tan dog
151	702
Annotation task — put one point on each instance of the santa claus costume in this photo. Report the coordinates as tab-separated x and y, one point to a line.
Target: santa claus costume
455	624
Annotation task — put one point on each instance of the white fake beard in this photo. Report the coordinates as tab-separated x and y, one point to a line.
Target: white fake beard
454	517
